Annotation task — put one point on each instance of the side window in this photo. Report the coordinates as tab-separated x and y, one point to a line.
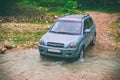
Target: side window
90	21
86	24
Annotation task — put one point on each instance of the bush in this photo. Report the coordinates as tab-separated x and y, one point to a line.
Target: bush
115	27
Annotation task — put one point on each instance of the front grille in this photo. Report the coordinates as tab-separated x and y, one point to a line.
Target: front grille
52	44
54	53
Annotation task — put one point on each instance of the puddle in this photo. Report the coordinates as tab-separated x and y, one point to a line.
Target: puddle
28	64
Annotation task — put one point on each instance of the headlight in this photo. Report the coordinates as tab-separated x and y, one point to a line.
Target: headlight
42	42
72	45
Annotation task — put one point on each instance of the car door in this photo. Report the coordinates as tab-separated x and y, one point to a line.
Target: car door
92	29
87	35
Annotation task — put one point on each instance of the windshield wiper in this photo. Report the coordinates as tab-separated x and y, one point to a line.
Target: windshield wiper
59	32
65	33
54	31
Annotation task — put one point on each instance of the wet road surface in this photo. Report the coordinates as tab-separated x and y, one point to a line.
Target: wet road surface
29	65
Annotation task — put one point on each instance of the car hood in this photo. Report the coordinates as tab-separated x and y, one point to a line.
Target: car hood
60	38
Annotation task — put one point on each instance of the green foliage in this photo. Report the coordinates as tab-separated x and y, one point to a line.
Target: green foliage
115	27
38	10
51	3
68	6
22	36
108	6
30	2
97	3
6	5
54	5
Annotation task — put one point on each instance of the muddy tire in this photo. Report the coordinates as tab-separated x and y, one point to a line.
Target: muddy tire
41	55
81	54
93	41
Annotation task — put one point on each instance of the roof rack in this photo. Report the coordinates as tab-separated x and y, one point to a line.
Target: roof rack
67	14
85	15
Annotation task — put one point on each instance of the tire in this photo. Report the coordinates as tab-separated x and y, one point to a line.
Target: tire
81	55
93	41
41	55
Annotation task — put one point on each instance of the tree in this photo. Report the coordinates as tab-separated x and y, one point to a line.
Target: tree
6	5
97	3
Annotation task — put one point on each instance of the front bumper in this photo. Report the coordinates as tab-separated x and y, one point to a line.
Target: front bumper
64	52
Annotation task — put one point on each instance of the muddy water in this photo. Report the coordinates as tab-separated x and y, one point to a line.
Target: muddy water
28	65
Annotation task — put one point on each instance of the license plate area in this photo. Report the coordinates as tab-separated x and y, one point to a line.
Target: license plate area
54	50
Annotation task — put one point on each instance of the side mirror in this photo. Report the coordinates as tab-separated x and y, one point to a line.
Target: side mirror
87	30
49	28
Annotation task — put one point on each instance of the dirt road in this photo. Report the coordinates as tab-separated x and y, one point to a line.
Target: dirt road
99	63
102	20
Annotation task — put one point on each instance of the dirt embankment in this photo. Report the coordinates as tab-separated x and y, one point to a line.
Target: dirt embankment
102	21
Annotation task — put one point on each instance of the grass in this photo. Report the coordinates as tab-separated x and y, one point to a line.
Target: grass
42	15
115	27
101	9
22	36
37	15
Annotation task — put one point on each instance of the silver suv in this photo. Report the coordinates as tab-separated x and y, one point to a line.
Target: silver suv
68	37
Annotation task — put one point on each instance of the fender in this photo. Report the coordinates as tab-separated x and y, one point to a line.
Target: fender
81	44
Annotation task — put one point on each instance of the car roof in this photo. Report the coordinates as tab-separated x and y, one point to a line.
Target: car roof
73	17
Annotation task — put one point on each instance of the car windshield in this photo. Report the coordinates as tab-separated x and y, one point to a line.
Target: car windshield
67	27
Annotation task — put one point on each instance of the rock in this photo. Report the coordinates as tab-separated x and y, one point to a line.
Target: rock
18	47
2	50
46	21
14	46
56	16
25	45
7	45
46	9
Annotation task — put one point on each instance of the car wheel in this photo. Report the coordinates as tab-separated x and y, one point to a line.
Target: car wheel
94	40
81	55
41	54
